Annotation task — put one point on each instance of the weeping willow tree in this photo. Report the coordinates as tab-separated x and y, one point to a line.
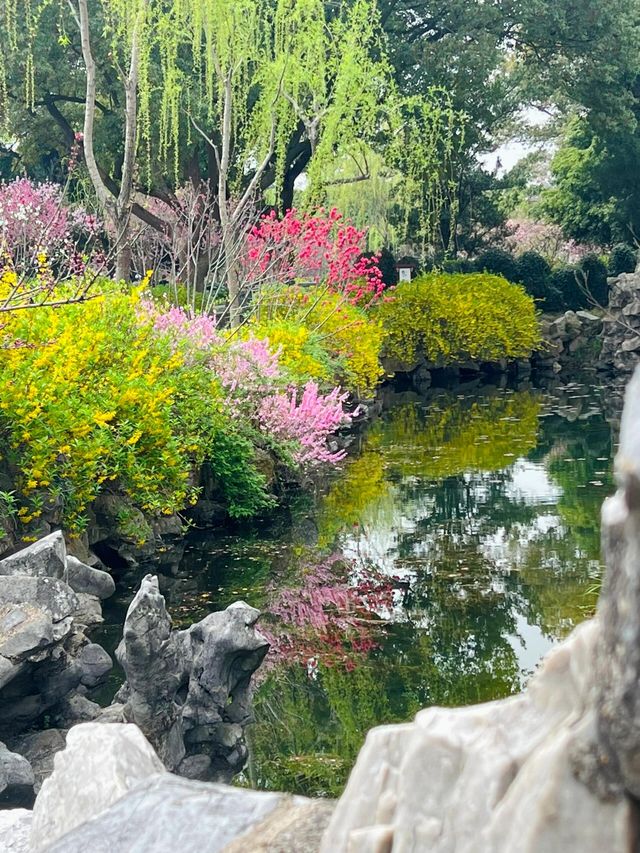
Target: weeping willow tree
269	89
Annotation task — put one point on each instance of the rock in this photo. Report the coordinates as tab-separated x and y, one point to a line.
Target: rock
554	769
46	558
40	748
47	593
165	813
83	578
98	765
608	759
290	827
23	630
74	709
15	829
16	780
189	690
88	613
94	664
631	345
476	779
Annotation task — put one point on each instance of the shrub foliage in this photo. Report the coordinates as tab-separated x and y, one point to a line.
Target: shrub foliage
456	318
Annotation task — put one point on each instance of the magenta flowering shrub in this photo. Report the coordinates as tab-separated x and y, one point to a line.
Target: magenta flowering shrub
313	248
34	220
306	423
257	386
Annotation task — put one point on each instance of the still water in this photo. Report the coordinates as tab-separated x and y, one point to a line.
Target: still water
458	543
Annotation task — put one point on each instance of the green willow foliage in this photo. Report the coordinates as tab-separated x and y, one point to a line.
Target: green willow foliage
279	66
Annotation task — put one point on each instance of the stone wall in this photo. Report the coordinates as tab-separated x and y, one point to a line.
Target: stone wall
621	333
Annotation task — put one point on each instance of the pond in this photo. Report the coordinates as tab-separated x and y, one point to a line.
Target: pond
459	542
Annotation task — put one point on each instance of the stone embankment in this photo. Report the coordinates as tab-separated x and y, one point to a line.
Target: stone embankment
621	334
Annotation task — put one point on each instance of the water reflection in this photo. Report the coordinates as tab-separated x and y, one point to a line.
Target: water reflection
465	541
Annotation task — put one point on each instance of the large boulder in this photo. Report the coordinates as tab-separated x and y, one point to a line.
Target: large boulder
189	690
98	766
46	558
86	579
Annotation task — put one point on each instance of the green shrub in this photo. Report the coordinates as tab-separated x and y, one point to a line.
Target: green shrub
453	265
622	259
455	318
568	292
593	273
498	262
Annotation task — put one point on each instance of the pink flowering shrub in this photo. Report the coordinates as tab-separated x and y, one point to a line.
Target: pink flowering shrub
257	387
527	235
307	423
320	248
34	220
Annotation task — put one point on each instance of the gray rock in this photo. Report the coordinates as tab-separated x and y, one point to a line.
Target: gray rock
39	749
94	664
24	629
16	780
83	578
88	613
46	558
98	766
74	709
165	813
609	758
50	594
189	690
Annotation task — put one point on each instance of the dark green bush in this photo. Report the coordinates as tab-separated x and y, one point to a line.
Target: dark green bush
592	273
534	273
568	294
622	259
498	262
458	265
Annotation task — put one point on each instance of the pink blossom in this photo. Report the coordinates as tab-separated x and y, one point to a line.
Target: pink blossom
308	422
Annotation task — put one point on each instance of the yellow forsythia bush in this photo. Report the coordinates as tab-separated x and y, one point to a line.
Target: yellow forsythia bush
322	336
453	318
91	398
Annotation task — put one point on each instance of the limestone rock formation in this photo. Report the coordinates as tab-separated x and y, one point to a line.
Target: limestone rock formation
555	769
189	690
621	334
45	655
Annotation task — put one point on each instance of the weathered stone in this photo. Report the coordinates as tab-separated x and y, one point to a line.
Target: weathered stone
94	664
189	690
88	613
24	629
40	748
15	830
47	593
83	578
609	758
165	813
16	780
46	558
631	345
98	766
